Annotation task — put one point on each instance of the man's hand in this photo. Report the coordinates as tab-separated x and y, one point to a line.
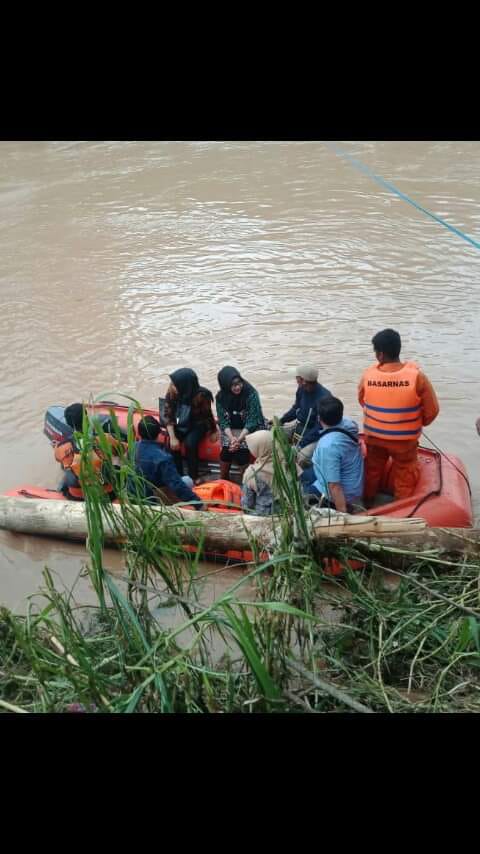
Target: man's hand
338	496
174	443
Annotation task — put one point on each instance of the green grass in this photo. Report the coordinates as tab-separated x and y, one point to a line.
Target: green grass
412	648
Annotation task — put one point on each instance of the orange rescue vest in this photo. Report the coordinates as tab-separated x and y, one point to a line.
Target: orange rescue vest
220	490
392	408
69	458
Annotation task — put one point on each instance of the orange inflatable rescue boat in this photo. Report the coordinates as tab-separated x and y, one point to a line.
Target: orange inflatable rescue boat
442	496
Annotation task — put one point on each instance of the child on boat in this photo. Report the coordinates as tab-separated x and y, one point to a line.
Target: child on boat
156	468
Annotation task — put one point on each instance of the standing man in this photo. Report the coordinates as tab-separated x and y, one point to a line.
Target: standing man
398	401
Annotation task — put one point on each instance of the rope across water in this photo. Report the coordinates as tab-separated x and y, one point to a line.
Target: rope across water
367	171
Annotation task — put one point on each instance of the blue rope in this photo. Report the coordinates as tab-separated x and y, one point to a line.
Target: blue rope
406	198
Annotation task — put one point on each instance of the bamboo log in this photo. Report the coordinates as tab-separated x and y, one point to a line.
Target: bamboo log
222	531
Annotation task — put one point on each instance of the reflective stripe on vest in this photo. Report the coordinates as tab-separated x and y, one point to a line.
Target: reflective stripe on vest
392	407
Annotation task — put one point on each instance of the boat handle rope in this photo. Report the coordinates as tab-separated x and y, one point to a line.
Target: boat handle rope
439	490
433	491
448	459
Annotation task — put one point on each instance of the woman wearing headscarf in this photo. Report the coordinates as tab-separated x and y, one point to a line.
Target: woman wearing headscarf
188	415
258	488
239	413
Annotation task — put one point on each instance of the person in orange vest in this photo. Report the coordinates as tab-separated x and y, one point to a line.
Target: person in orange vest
398	401
68	454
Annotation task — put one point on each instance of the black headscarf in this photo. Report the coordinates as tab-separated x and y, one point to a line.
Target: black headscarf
185	381
225	396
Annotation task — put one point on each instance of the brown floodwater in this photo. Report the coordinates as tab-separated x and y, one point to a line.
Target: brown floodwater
121	261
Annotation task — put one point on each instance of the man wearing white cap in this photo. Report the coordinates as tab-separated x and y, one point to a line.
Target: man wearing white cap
302	418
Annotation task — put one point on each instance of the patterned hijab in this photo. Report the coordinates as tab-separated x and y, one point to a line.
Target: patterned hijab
225	396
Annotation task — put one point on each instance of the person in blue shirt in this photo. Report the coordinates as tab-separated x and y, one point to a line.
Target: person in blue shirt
337	471
157	468
302	418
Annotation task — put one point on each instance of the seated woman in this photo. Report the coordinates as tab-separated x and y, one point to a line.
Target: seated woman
239	413
258	490
188	415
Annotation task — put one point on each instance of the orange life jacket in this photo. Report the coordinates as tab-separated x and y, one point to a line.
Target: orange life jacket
392	408
69	458
116	444
65	451
220	490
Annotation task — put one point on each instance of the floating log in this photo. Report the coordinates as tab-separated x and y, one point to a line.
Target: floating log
442	541
224	531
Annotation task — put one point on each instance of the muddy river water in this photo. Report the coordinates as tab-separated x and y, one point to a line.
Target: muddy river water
120	261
